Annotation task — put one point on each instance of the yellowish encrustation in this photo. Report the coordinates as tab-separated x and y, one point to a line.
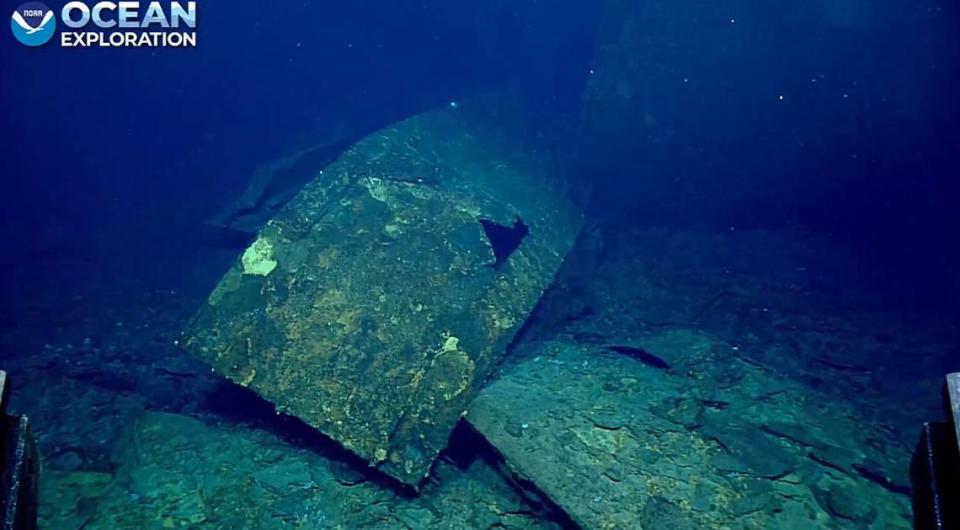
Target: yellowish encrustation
258	258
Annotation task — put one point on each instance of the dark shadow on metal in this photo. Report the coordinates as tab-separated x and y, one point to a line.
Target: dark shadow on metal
504	239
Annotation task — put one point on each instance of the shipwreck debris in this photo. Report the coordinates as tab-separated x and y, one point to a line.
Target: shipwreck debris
368	307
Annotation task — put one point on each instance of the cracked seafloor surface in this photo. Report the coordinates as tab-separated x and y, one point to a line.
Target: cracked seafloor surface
678	379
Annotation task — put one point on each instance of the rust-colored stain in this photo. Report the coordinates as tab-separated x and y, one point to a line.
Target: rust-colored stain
384	312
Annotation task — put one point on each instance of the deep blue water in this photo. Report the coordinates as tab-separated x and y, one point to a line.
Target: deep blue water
134	144
133	147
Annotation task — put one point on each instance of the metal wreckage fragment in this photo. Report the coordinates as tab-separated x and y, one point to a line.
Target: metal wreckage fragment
376	303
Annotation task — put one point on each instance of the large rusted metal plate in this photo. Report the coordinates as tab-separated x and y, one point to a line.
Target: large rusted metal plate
376	303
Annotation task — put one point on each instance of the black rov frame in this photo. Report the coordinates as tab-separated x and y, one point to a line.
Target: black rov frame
935	468
19	467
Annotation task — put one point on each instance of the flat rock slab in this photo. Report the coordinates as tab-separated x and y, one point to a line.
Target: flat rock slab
579	427
710	442
377	302
174	471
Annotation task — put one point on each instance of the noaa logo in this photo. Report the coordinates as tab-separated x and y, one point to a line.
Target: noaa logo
33	24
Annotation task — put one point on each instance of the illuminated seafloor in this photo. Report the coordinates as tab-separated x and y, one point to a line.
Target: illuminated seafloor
669	379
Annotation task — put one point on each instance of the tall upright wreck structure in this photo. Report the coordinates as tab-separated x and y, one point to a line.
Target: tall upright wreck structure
375	304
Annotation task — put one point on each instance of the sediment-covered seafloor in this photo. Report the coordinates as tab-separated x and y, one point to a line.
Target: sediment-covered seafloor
697	410
619	442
